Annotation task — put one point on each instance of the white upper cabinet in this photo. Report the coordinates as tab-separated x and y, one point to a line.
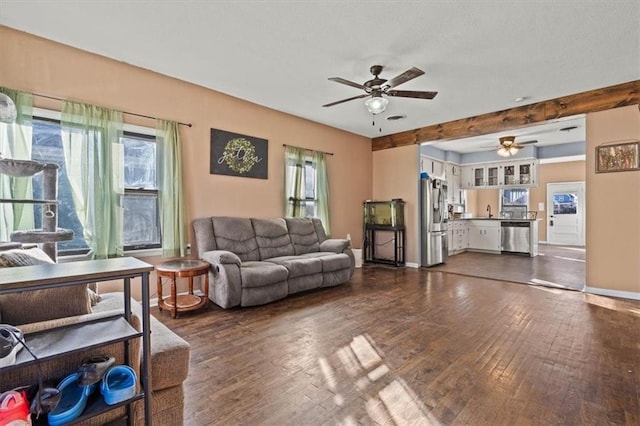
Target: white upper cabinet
474	176
454	183
495	175
433	167
522	173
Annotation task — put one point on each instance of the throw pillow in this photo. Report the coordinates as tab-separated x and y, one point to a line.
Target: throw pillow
40	305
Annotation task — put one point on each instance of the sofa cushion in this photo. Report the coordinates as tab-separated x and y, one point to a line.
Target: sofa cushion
298	266
169	352
317	223
40	305
331	261
303	235
258	274
235	234
253	296
335	245
272	237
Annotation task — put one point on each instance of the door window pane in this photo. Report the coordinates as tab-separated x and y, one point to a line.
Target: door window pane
566	203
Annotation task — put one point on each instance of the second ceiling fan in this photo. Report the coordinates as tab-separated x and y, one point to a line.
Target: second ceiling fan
377	89
508	146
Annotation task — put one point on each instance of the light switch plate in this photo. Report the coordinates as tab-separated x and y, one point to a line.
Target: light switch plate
540	207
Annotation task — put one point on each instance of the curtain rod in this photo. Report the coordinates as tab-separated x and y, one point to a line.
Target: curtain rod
124	112
307	149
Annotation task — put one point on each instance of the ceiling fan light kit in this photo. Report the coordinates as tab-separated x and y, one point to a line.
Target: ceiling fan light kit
376	104
507	152
508	146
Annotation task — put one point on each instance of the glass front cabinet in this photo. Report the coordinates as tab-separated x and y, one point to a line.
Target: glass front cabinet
519	174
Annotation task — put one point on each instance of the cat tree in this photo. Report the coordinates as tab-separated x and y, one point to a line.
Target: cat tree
49	235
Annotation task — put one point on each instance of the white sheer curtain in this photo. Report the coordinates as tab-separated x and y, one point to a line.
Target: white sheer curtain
174	238
94	157
319	162
15	142
294	182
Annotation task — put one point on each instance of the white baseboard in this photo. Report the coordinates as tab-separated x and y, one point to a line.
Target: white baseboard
412	265
613	293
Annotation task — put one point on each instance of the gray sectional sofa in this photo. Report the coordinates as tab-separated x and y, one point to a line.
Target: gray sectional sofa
257	261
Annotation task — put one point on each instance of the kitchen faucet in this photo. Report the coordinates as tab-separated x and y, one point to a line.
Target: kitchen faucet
489	210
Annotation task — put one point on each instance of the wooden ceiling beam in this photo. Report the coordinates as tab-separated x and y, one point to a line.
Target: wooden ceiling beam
581	103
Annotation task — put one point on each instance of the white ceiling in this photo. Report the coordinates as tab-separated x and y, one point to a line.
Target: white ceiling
546	134
479	55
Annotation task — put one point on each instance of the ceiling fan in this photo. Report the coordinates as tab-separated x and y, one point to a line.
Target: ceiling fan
377	89
508	146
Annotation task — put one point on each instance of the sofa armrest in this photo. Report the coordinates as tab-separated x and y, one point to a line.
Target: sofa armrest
335	245
220	257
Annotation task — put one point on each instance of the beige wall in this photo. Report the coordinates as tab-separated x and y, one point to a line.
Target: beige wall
572	171
37	65
395	175
613	207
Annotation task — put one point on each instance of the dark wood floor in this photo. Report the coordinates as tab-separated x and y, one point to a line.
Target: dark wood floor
556	266
406	346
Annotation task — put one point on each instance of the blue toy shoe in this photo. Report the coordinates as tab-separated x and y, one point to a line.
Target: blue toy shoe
72	402
118	384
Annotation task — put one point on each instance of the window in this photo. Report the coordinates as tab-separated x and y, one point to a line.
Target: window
310	188
514	202
141	222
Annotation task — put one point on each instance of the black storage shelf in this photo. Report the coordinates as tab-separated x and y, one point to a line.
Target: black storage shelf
56	342
49	344
95	407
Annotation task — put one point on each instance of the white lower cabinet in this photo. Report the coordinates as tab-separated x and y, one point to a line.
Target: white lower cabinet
458	239
484	235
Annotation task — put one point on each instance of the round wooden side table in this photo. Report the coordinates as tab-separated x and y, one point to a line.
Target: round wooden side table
183	268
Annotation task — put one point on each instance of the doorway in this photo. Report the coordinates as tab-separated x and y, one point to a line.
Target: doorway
565	213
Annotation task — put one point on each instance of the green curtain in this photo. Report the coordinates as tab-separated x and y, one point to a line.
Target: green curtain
171	198
15	142
322	189
294	182
94	158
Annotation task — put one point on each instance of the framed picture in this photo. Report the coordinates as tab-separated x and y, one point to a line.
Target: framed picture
234	154
618	157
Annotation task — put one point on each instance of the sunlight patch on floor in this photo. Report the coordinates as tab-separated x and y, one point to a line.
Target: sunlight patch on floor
549	290
570	258
389	400
613	304
537	281
582	249
402	406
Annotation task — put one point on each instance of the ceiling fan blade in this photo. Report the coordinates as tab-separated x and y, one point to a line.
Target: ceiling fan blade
412	94
347	82
346	100
526	142
404	77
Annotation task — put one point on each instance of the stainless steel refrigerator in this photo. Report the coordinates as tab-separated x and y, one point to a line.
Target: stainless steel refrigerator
433	219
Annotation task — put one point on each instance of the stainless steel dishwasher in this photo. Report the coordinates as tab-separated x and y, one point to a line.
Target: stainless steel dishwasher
515	237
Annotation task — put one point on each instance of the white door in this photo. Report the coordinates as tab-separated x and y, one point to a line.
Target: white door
565	213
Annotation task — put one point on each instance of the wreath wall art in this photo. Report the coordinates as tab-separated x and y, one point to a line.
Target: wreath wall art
234	154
